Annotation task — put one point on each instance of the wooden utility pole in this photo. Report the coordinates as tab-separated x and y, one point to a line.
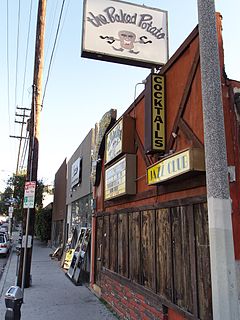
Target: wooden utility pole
24	277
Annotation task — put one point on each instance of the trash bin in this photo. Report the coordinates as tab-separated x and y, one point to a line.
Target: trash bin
13	302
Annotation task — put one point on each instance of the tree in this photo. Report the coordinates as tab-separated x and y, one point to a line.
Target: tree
6	198
14	194
43	223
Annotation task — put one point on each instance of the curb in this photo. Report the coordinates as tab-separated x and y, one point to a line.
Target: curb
5	272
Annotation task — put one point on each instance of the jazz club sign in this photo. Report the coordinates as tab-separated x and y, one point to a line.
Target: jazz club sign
189	161
126	33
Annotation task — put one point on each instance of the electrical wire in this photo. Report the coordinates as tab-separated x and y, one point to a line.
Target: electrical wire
24	151
51	28
18	30
22	126
8	72
26	141
26	56
52	54
63	22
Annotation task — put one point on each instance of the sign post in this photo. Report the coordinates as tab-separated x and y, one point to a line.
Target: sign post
29	200
10	215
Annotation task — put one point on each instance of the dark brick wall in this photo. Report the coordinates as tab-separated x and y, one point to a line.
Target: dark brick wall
127	303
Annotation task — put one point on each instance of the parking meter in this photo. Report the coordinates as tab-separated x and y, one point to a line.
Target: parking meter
13	302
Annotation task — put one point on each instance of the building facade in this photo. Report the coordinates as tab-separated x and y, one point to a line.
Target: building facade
59	214
79	189
150	244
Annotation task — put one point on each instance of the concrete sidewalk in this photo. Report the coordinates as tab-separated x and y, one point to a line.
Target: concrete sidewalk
52	294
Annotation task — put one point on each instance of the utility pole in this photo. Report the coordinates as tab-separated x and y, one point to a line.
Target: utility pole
223	273
24	277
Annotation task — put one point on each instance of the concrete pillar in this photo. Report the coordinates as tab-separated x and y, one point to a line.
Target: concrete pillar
223	273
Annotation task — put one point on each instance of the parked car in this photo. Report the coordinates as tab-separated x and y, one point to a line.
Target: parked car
5	243
4	227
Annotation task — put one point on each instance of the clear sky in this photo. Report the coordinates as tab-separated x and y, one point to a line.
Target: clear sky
79	90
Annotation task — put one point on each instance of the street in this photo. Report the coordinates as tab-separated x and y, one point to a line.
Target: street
3	261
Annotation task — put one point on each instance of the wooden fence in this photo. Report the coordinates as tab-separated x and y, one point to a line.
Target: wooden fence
165	250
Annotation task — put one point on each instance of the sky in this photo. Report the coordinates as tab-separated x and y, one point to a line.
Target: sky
79	90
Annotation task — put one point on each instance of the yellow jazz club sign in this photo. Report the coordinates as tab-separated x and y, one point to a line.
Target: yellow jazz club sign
178	164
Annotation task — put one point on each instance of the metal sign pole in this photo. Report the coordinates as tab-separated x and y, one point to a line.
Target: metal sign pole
25	251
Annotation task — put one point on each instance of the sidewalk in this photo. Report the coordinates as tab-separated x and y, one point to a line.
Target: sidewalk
52	294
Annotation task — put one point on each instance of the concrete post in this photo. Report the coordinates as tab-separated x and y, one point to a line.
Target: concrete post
223	273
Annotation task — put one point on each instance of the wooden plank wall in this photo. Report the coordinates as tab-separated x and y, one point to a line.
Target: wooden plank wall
203	261
165	250
135	263
164	254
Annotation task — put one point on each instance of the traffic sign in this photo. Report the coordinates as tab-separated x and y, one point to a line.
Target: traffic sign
29	194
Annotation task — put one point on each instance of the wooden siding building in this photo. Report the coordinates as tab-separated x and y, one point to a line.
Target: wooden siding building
150	249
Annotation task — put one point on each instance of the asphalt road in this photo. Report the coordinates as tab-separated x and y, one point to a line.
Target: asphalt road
3	261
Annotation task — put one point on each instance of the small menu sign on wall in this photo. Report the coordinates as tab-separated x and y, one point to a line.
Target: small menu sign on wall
120	178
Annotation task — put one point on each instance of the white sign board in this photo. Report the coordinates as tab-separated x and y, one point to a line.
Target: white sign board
120	178
10	212
29	194
115	180
75	172
114	142
29	241
125	33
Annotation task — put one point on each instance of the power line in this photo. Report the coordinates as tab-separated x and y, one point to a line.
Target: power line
24	148
24	116
26	56
16	77
26	143
54	46
8	73
51	28
24	151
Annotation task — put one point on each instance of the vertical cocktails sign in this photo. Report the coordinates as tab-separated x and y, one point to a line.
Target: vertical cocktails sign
155	114
124	33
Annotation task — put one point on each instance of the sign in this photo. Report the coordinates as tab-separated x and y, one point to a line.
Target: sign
155	115
29	194
29	241
105	124
120	178
186	161
76	172
120	139
68	258
158	113
10	212
79	273
124	32
114	142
